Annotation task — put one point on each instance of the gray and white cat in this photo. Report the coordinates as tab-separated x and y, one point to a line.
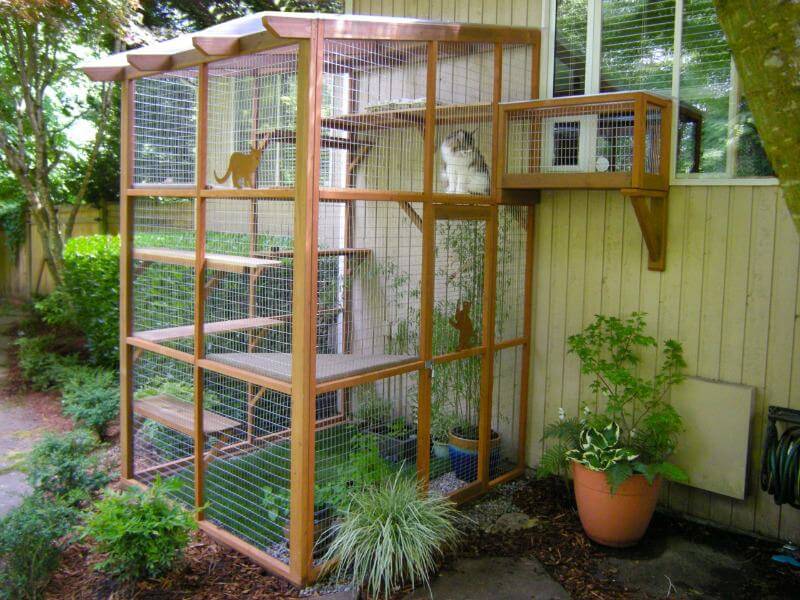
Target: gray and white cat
465	170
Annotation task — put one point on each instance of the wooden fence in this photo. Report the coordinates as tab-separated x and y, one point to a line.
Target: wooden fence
25	275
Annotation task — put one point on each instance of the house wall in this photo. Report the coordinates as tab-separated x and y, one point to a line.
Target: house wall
730	292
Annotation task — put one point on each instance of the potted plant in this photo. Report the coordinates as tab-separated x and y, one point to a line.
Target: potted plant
397	441
618	456
460	386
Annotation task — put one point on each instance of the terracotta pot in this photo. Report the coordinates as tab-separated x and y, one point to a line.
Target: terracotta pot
619	519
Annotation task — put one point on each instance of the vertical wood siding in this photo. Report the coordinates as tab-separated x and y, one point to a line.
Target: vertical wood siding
729	293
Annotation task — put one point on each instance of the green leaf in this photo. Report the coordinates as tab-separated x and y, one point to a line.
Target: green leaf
672	472
617	474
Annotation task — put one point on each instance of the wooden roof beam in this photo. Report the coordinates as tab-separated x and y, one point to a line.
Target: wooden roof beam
217	45
149	62
105	73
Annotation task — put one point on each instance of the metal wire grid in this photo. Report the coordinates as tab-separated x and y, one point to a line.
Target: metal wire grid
464	90
158	449
247	472
586	138
510	284
369	273
252	118
163	289
164	129
373	114
374	440
248	307
517	72
505	410
652	160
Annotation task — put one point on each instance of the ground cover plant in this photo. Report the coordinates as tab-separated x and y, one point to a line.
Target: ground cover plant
139	534
66	465
31	544
90	396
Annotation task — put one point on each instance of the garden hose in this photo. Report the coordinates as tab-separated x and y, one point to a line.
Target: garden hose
780	465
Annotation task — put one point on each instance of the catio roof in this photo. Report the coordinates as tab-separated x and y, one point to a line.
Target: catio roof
263	30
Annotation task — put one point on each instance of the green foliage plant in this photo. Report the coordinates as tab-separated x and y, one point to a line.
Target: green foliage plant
90	397
61	464
41	368
391	534
32	538
637	429
139	533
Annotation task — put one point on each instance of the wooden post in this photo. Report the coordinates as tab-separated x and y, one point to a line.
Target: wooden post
304	303
427	275
126	284
527	323
497	91
199	285
426	345
487	364
639	147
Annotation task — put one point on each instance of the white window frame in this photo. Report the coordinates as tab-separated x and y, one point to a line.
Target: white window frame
592	86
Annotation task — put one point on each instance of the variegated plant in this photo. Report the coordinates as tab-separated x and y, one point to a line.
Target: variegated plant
599	449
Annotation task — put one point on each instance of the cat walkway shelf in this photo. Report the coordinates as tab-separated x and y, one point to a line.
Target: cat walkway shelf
178	415
217	262
608	141
168	334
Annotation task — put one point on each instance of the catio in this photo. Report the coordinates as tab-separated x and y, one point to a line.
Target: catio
327	232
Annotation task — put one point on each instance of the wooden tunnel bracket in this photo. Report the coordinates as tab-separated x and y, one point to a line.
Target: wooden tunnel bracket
650	207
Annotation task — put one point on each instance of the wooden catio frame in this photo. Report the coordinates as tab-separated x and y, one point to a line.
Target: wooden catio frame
314	297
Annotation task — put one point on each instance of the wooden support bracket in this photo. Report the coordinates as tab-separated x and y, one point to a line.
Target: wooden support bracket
652	219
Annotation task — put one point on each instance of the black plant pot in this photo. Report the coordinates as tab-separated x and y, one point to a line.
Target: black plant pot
396	450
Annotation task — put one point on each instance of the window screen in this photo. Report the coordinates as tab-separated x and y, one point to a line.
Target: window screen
569	63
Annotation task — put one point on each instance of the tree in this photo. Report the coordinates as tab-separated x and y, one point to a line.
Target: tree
764	36
44	97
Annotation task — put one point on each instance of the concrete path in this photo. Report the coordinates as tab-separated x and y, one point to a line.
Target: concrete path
22	423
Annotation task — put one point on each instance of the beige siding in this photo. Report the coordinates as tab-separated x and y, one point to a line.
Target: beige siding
729	293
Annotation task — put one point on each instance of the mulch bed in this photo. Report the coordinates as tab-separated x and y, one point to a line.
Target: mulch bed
208	572
558	542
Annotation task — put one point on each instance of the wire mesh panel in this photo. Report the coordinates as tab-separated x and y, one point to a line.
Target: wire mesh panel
163	271
252	118
510	284
457	326
373	114
464	90
517	72
652	140
164	129
163	445
585	138
369	268
248	462
504	453
249	247
373	440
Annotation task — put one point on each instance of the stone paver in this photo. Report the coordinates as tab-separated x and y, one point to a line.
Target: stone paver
494	578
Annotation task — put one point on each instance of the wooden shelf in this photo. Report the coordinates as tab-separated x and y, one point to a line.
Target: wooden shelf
177	415
218	262
358	252
410	117
174	333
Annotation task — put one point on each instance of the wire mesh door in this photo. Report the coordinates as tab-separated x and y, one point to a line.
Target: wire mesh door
458	346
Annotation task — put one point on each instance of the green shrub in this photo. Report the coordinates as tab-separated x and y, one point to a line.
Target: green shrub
391	534
91	397
61	464
41	368
139	534
89	296
31	544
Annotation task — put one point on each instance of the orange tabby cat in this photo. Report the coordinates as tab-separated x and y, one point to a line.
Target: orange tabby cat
242	167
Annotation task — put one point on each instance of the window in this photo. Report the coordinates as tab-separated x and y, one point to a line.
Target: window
618	45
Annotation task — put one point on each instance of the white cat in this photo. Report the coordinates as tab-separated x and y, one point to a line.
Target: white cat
465	170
